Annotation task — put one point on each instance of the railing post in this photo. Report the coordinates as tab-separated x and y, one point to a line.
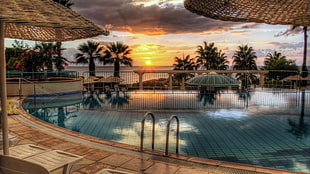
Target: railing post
141	81
34	94
177	136
142	130
183	84
262	80
20	87
170	81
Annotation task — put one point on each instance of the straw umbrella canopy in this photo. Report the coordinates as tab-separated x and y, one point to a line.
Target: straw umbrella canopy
284	12
111	79
296	77
212	80
90	80
293	77
44	20
39	20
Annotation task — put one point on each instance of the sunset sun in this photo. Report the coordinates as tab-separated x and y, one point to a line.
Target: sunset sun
148	62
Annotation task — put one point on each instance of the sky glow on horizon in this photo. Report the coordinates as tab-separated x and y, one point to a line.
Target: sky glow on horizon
157	31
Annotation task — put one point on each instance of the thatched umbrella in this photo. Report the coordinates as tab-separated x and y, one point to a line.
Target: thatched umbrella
284	12
294	77
90	80
111	79
297	77
39	20
213	80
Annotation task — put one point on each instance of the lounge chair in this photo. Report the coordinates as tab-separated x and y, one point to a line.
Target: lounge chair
12	165
108	89
116	88
11	139
26	150
49	159
55	159
124	89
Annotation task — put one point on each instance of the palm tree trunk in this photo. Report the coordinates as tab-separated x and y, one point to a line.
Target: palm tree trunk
116	69
59	55
92	67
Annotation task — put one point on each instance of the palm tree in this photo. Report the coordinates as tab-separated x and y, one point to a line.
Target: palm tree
66	3
207	55
221	61
61	60
276	61
117	53
90	51
210	58
48	53
185	63
245	59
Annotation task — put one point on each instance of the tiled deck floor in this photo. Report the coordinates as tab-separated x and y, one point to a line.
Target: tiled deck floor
100	154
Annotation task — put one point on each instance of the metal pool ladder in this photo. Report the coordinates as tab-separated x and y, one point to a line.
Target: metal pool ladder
153	131
142	129
177	136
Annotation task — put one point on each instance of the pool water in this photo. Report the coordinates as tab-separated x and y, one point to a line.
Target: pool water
269	132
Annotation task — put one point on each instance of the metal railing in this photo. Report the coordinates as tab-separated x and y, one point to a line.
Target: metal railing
35	88
170	79
42	75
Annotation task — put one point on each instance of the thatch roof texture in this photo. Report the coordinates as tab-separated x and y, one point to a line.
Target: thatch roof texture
285	12
44	20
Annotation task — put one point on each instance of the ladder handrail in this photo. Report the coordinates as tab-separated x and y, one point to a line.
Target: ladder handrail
142	130
177	136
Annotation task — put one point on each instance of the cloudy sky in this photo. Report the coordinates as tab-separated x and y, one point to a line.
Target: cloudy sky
159	30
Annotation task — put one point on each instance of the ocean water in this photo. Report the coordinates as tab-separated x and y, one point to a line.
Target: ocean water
126	72
84	69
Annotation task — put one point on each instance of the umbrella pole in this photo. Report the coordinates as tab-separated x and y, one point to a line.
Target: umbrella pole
3	93
304	64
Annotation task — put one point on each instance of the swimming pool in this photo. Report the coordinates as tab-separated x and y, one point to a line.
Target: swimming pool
263	128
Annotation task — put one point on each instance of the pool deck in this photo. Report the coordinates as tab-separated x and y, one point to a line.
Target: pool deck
102	154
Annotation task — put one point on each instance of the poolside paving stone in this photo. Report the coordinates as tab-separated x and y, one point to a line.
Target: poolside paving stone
137	164
95	167
97	155
165	168
81	150
116	159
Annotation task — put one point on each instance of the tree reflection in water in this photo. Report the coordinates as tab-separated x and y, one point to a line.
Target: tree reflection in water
92	100
244	96
117	98
61	117
300	130
207	96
